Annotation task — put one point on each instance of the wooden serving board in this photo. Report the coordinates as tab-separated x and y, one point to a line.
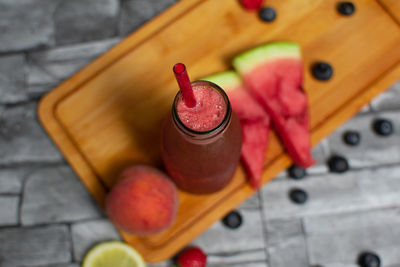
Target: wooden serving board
107	116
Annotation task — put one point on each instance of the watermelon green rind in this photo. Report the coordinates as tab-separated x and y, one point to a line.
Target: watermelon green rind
228	80
252	58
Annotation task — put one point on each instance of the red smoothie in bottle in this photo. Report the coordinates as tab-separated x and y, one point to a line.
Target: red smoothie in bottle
201	145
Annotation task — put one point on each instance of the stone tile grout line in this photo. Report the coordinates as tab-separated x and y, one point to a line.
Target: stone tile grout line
235	252
21	198
26	73
352	169
303	230
118	30
264	229
10	194
34	164
41	225
71	241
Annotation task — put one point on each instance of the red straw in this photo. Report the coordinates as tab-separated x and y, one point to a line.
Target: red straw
184	85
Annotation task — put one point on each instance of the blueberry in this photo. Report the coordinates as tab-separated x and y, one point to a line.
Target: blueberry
383	127
267	14
233	220
369	259
296	172
338	164
298	196
346	8
352	138
322	71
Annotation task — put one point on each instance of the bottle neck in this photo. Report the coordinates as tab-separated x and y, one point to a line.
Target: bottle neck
207	135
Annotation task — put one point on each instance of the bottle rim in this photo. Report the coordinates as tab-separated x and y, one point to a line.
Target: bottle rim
209	133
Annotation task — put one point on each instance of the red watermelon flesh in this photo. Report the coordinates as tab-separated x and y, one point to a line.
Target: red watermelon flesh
245	106
273	74
254	122
254	146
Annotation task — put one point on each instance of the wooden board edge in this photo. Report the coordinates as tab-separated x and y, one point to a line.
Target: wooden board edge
69	151
353	106
390	10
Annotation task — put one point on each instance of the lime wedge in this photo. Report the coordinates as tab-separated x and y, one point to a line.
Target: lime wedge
113	254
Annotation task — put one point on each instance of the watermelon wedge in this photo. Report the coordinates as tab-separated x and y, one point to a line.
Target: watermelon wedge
253	120
273	73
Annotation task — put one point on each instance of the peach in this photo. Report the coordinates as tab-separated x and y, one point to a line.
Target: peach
143	202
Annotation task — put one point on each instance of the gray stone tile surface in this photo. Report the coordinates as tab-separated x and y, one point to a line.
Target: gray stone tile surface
48	68
26	24
334	193
237	258
290	252
62	265
320	154
9	210
334	239
87	234
34	246
135	13
373	150
286	245
11	181
281	229
12	78
22	139
55	194
246	237
253	202
85	20
388	100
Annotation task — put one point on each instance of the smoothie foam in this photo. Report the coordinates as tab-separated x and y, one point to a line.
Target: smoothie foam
208	113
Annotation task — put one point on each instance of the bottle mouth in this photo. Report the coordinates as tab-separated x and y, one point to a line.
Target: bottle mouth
208	133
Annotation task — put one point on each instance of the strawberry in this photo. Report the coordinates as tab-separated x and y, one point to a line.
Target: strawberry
251	4
191	257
